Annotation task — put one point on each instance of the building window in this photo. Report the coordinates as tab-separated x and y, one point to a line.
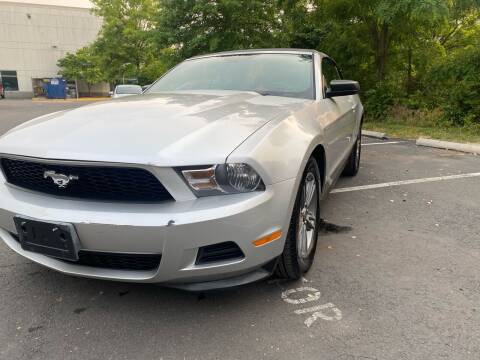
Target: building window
9	80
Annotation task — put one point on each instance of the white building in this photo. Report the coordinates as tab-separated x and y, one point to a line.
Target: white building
35	34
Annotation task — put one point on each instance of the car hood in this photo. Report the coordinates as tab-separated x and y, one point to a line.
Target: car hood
172	129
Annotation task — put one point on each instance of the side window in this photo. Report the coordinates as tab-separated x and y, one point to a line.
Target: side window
329	73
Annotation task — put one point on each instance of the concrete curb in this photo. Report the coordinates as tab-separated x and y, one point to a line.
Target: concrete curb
467	148
374	134
69	100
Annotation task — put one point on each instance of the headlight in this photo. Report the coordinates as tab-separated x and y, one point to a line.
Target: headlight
223	179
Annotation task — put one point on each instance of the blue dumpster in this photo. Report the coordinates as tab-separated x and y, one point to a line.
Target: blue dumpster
56	88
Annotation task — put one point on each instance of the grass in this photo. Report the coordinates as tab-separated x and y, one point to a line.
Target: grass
407	124
399	130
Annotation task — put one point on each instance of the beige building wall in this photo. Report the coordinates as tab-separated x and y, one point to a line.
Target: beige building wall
34	37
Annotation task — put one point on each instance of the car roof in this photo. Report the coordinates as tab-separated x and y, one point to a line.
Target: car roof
261	51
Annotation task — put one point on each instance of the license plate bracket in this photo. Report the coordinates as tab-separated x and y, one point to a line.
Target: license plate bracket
58	240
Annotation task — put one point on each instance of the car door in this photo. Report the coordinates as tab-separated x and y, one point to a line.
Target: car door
340	128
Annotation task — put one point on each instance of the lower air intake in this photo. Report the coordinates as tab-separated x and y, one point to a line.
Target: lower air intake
119	261
225	251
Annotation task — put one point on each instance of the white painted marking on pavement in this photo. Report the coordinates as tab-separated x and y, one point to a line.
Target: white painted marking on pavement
312	296
383	143
318	313
326	311
405	182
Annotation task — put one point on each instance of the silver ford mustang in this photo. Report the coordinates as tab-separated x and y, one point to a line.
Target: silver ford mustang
211	178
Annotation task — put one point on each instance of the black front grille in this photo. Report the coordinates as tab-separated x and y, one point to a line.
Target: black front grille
118	261
91	182
219	252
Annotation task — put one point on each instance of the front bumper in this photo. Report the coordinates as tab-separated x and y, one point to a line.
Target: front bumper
175	230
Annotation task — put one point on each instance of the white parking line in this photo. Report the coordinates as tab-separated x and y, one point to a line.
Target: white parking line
405	182
383	143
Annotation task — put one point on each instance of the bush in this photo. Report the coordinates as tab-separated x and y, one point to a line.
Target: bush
456	87
378	101
402	114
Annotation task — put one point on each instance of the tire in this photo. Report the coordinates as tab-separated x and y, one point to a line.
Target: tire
296	260
353	163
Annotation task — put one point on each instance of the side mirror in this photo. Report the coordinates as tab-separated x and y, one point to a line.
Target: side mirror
342	88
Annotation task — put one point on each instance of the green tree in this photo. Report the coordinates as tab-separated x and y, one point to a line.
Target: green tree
194	27
124	45
83	65
396	49
378	26
456	85
415	33
463	20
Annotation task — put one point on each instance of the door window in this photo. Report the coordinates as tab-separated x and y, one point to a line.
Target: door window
329	72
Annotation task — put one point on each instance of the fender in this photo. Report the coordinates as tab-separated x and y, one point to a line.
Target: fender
292	139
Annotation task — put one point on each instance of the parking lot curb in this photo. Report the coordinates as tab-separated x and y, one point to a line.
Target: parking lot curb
467	148
69	100
375	134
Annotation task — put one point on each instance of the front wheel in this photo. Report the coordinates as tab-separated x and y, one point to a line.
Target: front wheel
301	241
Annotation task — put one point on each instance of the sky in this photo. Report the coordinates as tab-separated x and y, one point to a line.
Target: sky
73	3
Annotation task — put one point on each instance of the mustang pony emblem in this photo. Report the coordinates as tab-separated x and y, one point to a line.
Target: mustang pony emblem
61	180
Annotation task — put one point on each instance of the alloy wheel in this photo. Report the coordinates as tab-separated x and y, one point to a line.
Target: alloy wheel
307	221
358	151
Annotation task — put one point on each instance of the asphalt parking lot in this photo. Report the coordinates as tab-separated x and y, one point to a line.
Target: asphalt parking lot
14	112
396	276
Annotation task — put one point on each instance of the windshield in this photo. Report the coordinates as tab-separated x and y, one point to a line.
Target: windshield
128	89
288	75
